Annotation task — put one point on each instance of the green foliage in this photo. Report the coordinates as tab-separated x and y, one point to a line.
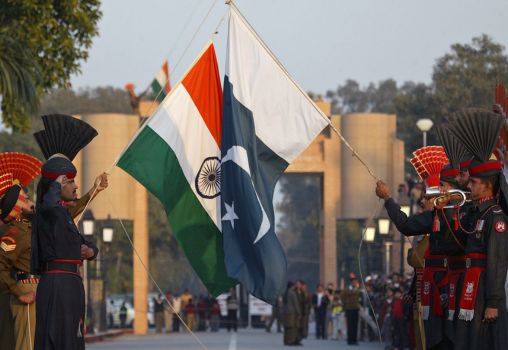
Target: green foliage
298	228
18	82
349	235
351	98
466	76
55	36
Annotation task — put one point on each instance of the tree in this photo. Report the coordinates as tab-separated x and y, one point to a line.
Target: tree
56	36
351	98
466	76
18	82
298	226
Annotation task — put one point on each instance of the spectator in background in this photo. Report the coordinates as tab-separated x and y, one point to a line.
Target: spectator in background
232	306
168	312
202	311
306	307
351	301
123	315
177	308
400	328
158	313
111	310
190	314
214	316
276	315
320	303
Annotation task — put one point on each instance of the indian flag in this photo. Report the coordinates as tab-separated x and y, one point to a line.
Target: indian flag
160	84
176	156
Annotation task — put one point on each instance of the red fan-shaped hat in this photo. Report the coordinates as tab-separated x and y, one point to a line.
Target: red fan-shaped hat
5	183
420	169
23	167
433	159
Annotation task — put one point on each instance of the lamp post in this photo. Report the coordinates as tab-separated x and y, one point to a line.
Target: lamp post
88	228
96	289
384	229
369	236
424	125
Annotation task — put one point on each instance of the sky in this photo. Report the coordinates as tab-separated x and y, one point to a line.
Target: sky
320	42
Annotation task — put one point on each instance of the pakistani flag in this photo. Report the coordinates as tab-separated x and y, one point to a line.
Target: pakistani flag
268	121
175	155
160	84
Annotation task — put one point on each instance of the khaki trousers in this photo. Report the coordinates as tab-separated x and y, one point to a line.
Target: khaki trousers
24	319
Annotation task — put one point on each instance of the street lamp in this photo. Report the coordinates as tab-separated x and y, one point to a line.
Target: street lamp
424	125
88	223
383	225
107	230
370	234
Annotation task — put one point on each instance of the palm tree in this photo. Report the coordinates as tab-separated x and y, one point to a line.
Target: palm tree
19	74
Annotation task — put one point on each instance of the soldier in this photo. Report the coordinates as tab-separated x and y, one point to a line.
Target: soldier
6	321
351	300
17	212
445	240
292	314
58	248
482	321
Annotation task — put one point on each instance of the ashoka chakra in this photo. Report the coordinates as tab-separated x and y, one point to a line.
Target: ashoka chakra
208	178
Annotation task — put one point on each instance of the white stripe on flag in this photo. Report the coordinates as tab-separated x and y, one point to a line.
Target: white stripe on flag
286	121
178	121
161	78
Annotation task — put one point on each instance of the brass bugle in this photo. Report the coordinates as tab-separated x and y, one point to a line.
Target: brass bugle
451	199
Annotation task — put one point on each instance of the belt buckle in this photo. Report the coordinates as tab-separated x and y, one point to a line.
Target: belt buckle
468	263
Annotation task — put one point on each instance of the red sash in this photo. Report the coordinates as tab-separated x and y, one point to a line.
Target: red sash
430	289
453	278
470	286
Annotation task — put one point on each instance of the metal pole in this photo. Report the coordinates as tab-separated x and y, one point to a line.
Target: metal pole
387	258
424	139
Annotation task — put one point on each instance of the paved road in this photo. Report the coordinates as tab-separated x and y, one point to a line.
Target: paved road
243	340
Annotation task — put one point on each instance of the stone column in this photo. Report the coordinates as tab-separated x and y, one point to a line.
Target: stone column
140	275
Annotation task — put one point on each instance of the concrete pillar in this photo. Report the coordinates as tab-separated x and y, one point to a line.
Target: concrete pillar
140	275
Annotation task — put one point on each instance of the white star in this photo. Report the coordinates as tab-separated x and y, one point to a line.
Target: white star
230	214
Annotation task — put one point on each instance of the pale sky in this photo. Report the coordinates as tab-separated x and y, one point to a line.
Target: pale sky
320	42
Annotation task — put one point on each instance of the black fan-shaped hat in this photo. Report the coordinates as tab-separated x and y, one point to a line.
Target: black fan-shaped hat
63	134
62	138
455	150
478	129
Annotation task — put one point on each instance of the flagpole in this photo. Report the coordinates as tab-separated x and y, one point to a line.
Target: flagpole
233	7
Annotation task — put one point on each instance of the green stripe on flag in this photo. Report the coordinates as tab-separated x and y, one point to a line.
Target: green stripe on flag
156	88
153	163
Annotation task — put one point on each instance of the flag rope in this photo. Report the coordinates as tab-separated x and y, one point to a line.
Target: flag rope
170	51
355	154
150	275
171	71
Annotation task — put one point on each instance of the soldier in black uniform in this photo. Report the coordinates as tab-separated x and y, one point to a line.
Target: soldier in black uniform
444	241
482	321
58	248
17	212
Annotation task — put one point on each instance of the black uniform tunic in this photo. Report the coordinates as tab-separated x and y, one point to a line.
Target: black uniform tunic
491	240
60	296
438	332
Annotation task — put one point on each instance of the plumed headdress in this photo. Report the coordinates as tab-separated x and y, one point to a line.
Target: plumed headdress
17	170
478	130
62	138
456	152
428	162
